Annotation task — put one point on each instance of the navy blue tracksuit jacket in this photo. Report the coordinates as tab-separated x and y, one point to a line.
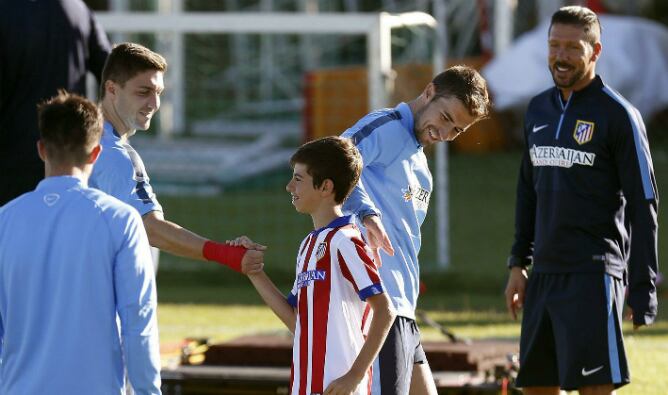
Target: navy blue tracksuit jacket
586	197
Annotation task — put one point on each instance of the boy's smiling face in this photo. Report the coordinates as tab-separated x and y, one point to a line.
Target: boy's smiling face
305	197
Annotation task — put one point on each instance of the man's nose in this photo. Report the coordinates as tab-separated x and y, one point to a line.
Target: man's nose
154	102
447	134
560	54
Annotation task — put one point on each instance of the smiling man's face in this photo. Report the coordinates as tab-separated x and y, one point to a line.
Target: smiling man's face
441	119
571	58
136	101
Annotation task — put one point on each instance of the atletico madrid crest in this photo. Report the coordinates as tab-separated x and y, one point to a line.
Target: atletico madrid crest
584	131
320	252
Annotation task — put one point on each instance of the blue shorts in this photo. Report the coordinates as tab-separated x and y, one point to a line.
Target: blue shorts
393	369
571	331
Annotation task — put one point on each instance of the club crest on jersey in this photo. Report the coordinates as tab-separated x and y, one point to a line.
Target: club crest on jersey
304	279
407	193
320	251
584	131
417	194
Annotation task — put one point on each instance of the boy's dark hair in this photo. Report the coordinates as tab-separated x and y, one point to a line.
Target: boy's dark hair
333	158
467	85
582	17
126	61
70	126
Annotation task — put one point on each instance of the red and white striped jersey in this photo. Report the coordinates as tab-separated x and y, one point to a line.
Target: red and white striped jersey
335	275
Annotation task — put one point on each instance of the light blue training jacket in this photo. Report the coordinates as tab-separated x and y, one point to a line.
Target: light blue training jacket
72	260
396	184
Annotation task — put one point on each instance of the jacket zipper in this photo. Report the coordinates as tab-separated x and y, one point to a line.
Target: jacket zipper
563	111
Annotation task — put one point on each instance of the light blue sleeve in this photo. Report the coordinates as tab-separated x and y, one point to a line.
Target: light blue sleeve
359	202
114	174
2	338
108	179
136	304
378	148
2	326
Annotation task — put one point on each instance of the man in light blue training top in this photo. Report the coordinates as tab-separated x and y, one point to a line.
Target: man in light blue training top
132	82
72	260
391	201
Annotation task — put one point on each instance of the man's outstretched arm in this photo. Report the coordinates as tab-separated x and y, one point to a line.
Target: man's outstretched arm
172	238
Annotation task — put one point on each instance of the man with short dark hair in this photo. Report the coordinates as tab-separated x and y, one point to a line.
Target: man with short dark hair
132	82
395	186
586	218
72	260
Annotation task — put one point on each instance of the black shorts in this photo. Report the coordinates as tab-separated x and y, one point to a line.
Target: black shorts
571	331
402	349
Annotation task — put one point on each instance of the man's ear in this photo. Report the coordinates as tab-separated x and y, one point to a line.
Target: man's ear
41	150
429	91
109	88
598	47
94	154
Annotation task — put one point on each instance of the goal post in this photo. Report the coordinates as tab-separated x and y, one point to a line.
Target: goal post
376	27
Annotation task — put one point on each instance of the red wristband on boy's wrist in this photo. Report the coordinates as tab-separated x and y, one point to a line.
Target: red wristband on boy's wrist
224	254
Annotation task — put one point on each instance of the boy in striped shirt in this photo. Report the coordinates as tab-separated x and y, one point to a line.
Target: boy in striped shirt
337	308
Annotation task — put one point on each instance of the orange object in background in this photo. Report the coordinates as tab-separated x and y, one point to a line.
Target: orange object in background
337	98
334	100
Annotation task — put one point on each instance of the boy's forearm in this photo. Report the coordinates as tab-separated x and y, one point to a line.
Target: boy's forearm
273	297
383	317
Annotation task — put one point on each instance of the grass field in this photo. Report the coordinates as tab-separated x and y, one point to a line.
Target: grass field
198	299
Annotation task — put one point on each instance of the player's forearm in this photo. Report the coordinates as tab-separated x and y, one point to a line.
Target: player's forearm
170	237
142	356
525	213
643	262
139	331
383	317
141	347
273	297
